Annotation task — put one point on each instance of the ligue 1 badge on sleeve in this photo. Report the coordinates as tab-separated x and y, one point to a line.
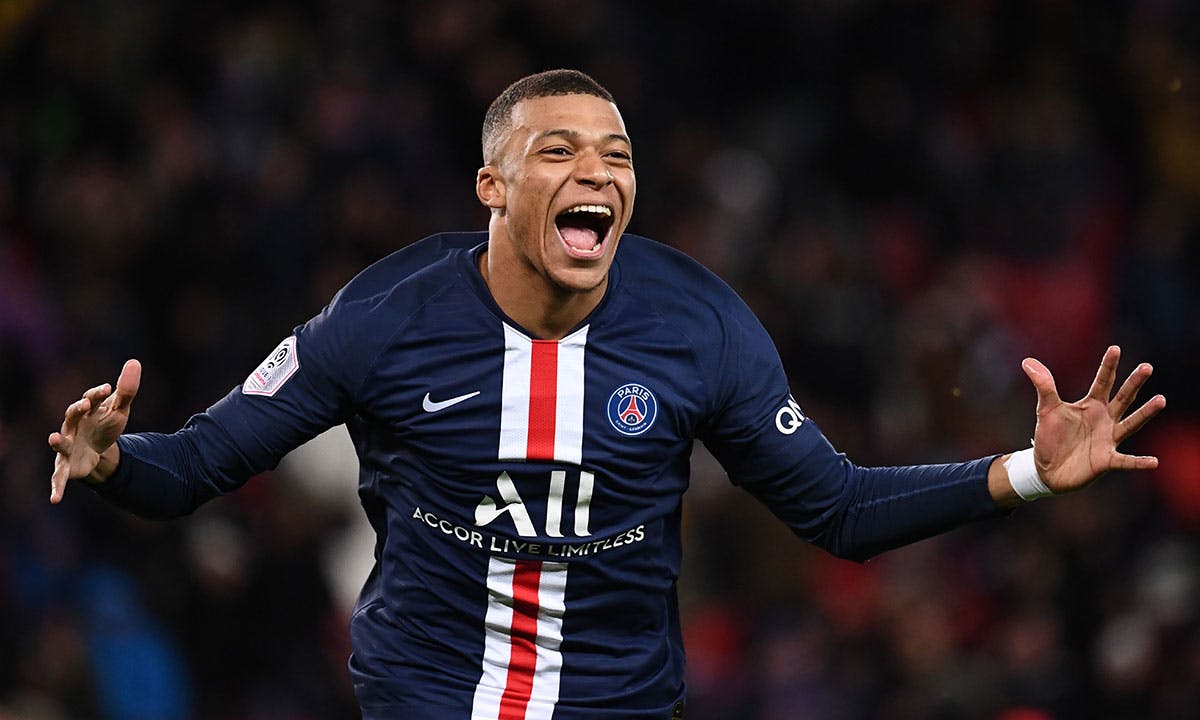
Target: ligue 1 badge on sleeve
280	365
632	409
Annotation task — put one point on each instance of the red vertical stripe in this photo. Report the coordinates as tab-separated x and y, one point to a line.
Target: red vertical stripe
543	387
523	658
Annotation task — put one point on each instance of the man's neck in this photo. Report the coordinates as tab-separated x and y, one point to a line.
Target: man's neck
546	311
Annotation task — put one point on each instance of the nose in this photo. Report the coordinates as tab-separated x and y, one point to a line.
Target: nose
591	171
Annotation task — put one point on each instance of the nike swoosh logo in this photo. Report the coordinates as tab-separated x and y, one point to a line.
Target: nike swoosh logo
432	406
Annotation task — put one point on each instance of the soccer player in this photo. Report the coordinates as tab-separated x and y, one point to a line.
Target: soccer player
523	403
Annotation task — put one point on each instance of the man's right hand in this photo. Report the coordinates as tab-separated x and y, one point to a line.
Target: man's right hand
86	445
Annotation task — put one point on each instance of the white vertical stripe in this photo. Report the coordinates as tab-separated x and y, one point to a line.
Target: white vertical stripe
552	591
497	639
497	649
514	404
552	581
568	418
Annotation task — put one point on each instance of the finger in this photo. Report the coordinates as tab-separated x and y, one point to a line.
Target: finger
97	394
128	384
1138	418
60	443
58	479
1043	382
75	411
1129	390
1121	461
1106	375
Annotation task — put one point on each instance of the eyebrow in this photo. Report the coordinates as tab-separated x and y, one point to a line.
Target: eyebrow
575	135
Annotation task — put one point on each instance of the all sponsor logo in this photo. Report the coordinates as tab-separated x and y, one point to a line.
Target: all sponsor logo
632	409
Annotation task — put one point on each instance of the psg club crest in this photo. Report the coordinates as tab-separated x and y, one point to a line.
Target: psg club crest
632	409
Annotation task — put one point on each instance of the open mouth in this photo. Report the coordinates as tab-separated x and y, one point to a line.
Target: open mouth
583	229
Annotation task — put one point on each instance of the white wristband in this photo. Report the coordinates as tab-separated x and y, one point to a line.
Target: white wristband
1023	474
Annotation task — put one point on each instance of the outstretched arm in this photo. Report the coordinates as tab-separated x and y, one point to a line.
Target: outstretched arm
1075	443
86	445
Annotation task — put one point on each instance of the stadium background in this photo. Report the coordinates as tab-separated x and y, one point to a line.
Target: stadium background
912	195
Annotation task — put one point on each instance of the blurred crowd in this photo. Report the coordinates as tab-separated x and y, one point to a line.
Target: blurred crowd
912	196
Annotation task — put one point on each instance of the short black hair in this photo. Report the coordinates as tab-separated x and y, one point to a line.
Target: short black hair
543	84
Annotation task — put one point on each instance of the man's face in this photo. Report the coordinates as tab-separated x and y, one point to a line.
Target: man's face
564	182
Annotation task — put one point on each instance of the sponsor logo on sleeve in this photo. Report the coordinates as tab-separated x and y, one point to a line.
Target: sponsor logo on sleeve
789	418
632	409
280	365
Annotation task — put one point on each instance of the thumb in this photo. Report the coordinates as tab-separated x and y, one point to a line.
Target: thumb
1043	382
127	385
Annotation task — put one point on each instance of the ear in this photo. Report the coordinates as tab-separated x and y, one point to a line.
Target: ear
490	188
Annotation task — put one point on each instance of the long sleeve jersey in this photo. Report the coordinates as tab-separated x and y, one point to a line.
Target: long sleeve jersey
526	493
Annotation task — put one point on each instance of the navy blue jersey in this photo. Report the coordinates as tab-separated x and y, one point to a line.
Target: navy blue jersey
526	493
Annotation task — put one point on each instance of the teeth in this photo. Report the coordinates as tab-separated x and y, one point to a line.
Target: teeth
595	209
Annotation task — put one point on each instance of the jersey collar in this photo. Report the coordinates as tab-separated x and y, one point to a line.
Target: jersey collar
469	268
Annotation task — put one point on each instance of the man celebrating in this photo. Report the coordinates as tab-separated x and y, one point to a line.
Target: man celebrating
523	404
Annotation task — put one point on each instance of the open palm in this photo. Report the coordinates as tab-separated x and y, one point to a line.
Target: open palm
1075	443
